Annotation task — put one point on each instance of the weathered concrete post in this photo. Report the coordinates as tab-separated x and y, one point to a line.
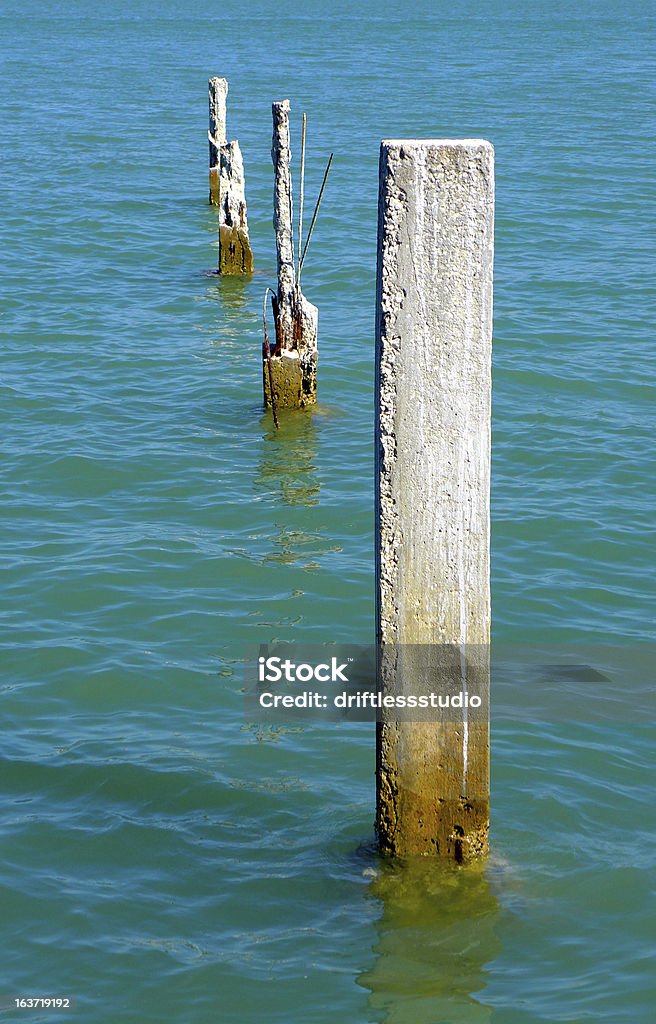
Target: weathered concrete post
218	94
433	382
227	187
293	364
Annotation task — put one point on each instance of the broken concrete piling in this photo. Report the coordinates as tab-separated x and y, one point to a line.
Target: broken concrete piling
227	187
293	364
433	383
218	94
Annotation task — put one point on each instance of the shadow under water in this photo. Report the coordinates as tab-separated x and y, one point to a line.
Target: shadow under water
436	934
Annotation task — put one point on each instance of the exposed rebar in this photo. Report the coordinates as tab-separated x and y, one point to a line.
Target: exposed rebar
301	197
314	218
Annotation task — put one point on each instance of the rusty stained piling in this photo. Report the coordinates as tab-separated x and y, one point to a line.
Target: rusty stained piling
433	384
266	353
293	364
227	187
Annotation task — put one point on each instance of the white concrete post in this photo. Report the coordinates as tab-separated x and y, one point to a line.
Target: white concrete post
227	187
217	94
293	365
282	220
433	382
235	253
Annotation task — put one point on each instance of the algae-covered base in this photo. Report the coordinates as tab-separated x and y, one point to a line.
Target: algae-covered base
294	380
426	805
411	825
235	253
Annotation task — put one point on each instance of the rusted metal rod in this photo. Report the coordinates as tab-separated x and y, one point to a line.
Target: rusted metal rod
301	198
314	217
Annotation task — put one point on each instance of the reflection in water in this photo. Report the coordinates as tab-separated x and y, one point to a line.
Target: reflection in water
436	934
232	291
287	467
287	472
234	326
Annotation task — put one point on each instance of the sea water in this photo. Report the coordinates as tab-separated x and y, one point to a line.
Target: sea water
163	857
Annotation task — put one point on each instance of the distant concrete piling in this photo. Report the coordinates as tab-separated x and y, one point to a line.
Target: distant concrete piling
227	186
433	384
218	95
293	364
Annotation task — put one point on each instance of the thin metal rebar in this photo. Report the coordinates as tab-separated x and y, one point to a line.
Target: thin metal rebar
301	198
316	210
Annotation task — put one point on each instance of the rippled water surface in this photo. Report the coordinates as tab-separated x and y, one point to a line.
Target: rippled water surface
163	858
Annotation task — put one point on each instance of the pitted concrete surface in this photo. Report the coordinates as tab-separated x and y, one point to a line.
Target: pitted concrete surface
433	355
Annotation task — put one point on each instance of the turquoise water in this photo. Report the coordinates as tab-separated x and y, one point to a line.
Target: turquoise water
162	858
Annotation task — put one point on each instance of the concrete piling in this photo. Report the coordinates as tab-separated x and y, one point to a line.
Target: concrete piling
433	384
293	364
227	187
218	94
